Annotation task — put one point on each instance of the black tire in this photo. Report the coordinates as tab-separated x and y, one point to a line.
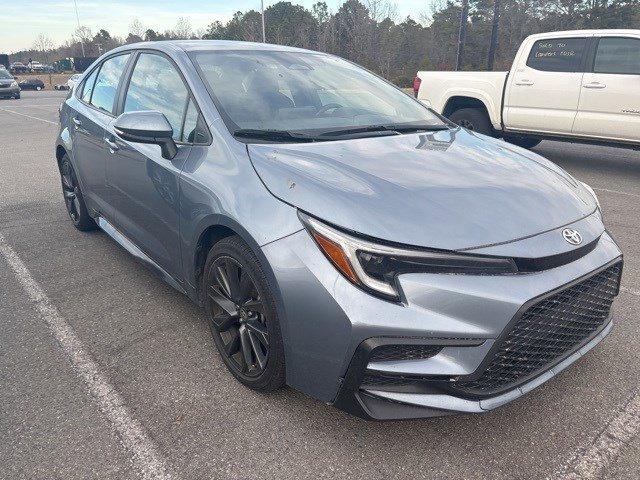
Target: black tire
249	342
523	141
18	97
474	119
73	199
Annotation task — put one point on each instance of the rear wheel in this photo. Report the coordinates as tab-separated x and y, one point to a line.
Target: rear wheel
73	198
38	88
242	315
473	119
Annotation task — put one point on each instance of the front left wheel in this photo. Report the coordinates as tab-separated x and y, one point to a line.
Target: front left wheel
73	199
242	315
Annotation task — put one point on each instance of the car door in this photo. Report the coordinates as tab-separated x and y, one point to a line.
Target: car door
543	91
93	111
146	184
610	100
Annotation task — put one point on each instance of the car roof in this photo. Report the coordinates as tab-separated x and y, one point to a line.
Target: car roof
211	45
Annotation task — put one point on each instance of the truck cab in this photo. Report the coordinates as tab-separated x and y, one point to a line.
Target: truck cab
574	86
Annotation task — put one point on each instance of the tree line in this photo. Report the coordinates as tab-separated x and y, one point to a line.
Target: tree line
370	33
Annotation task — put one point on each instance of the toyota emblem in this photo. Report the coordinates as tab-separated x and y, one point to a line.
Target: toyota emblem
572	236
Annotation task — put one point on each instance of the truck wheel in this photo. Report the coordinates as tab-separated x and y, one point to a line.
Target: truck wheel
473	119
522	140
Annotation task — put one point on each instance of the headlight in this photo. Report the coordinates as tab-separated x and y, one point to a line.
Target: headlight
375	267
14	84
593	194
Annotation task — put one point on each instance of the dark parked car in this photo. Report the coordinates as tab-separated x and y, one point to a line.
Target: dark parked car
341	237
18	67
32	84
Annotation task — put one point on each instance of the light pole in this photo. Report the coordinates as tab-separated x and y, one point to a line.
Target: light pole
75	2
264	36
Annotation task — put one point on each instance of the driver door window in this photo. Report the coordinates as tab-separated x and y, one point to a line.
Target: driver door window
156	85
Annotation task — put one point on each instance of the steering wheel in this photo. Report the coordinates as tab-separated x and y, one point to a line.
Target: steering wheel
327	107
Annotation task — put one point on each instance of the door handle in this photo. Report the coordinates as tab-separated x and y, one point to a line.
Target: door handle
77	122
524	83
113	146
594	85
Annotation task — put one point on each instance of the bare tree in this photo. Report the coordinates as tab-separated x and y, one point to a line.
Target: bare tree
381	9
83	34
183	28
137	28
44	45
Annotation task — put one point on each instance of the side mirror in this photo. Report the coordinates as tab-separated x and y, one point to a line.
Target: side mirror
147	127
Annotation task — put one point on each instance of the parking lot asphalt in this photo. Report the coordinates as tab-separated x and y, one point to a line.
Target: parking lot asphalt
153	348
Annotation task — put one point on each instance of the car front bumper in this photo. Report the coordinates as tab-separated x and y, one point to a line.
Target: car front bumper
8	92
331	328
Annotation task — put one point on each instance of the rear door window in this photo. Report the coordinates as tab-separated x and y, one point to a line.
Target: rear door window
618	56
106	85
557	54
156	85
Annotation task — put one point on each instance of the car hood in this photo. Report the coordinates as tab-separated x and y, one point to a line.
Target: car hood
450	189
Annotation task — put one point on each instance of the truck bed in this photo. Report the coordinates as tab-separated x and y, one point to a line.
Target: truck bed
439	89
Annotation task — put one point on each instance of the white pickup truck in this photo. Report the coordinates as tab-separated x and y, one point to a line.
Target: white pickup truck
581	86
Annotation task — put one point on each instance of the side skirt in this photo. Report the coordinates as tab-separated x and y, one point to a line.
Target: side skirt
574	139
131	247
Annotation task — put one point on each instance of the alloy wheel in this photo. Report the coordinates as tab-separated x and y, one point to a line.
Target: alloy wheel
70	191
238	317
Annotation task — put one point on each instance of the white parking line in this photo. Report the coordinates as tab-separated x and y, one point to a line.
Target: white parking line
28	116
616	191
145	455
593	461
45	106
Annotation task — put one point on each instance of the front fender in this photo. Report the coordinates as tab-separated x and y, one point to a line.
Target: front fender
64	140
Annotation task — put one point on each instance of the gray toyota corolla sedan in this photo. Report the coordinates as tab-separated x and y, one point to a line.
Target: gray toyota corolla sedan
342	238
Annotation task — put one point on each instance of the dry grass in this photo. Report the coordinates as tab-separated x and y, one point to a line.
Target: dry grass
56	78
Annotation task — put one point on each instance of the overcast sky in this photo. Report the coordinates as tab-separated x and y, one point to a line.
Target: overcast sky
22	20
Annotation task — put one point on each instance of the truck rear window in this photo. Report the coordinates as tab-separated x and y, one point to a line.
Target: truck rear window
557	54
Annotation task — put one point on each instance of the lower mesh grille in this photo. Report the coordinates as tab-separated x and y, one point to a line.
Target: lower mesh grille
373	380
404	352
548	331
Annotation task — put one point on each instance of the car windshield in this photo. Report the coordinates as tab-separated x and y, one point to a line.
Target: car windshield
303	93
5	74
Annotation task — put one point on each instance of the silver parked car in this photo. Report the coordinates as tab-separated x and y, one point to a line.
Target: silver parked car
341	237
9	87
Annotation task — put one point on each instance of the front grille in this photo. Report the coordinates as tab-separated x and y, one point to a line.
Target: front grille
547	332
404	352
373	380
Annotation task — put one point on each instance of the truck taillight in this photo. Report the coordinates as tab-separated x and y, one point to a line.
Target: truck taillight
416	86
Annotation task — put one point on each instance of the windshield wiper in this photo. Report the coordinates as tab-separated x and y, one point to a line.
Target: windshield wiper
273	135
393	128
